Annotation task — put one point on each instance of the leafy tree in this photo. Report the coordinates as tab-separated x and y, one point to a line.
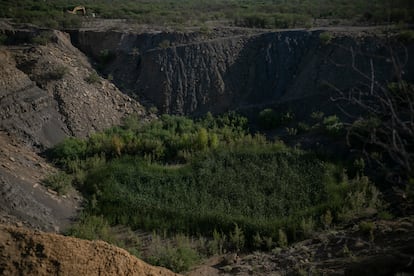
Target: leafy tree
202	139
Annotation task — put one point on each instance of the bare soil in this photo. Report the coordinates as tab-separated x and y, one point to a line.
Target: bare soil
24	200
28	252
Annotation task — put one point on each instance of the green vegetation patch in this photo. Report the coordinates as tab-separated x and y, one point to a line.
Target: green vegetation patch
200	177
254	188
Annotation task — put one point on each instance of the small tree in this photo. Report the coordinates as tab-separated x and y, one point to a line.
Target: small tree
117	145
216	246
282	239
237	238
257	241
202	139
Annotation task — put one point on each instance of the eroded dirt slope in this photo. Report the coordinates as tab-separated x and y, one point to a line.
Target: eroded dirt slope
45	96
23	199
25	252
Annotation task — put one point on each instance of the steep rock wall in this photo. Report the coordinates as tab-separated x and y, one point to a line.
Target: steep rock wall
190	75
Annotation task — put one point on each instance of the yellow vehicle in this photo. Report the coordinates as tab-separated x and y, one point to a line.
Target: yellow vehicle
77	9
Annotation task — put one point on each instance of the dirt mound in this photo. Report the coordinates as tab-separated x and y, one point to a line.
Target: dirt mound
24	252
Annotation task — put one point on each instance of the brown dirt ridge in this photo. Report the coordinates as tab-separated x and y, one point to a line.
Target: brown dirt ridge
26	252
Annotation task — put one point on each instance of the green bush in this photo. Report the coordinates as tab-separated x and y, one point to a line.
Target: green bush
327	219
253	21
303	127
164	44
177	255
205	30
367	228
43	38
59	182
92	228
307	226
237	238
57	73
69	149
93	78
282	239
363	198
291	20
291	131
333	125
257	241
317	116
269	119
217	245
69	21
325	38
406	36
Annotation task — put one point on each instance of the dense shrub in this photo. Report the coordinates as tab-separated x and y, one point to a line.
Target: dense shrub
57	73
92	78
176	254
406	36
270	119
43	38
59	182
69	149
333	125
92	228
325	38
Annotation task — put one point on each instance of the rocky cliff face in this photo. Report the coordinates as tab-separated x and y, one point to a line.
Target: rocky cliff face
189	73
45	95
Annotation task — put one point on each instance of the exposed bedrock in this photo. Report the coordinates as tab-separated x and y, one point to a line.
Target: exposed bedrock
189	73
